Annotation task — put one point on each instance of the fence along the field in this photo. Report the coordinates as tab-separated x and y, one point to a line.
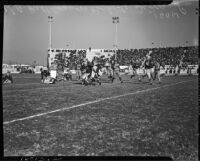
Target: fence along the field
189	70
169	70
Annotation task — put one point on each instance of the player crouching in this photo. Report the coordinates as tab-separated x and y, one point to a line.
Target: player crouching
7	78
48	78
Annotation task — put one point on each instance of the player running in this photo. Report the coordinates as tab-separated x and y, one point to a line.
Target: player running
78	71
86	69
109	68
116	68
158	68
137	68
149	67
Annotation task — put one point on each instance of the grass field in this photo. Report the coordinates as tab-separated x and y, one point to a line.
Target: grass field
114	119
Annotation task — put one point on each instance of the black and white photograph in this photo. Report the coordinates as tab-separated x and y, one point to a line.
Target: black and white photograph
101	80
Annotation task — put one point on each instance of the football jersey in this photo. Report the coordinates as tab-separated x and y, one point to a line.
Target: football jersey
90	56
148	64
157	66
112	64
78	66
89	68
136	64
116	66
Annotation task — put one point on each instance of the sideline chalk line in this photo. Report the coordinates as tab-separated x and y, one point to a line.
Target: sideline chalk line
92	102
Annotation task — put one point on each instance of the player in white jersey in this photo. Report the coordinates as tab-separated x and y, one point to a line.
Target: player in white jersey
116	71
158	71
89	55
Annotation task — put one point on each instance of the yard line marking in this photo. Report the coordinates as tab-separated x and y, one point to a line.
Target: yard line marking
92	102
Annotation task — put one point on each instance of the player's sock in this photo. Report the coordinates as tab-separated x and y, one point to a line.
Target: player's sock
120	79
112	80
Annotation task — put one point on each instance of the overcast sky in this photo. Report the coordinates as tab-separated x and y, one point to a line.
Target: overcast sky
26	28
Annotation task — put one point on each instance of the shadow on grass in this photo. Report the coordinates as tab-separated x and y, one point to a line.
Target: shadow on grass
79	83
93	83
142	82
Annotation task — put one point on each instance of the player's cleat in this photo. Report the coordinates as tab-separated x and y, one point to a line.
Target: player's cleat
109	77
85	83
93	80
82	82
112	79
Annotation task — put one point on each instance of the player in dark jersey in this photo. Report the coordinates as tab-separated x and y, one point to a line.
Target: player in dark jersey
42	75
134	67
89	68
137	69
78	71
86	70
90	72
149	67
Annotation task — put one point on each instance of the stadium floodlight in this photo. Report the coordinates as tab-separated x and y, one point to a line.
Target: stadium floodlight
152	43
115	20
186	43
50	20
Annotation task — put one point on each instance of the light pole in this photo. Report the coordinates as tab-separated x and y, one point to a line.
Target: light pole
186	43
50	20
152	43
115	21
